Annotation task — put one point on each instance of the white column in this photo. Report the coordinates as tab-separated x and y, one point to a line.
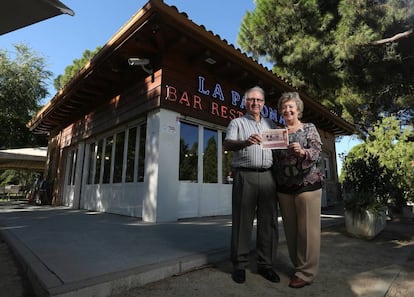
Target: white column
161	167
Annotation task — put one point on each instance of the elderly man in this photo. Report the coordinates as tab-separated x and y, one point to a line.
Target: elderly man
254	190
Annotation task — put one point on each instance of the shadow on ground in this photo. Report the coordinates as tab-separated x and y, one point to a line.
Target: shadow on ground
349	267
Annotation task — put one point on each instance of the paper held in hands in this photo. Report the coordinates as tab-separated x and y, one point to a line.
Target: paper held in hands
275	139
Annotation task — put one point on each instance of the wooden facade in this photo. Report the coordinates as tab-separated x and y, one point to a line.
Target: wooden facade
190	78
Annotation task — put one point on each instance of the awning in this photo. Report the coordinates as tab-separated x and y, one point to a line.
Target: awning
16	14
24	159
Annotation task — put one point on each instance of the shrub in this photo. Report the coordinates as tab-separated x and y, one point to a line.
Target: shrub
366	184
381	165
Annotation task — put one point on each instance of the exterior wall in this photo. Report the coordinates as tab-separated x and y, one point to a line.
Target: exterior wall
328	164
204	200
161	197
123	199
130	105
120	197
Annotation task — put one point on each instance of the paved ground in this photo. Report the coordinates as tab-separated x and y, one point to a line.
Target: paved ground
13	282
382	267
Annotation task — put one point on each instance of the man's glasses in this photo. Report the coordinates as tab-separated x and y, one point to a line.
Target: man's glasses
258	100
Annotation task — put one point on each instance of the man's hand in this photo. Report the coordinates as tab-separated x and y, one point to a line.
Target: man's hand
235	145
254	139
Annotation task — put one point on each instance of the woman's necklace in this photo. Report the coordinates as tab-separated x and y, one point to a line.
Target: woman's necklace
294	126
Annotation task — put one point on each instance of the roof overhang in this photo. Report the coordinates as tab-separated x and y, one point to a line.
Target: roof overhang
16	14
33	159
155	29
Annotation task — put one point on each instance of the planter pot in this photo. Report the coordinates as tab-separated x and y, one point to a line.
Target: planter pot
408	212
365	225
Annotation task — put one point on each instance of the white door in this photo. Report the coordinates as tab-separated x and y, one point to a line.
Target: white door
73	176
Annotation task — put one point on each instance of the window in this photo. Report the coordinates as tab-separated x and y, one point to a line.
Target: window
130	166
210	156
120	157
92	156
188	152
109	141
326	168
72	166
98	162
227	173
214	167
141	153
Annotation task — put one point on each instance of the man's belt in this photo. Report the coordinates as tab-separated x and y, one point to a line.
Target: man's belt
252	169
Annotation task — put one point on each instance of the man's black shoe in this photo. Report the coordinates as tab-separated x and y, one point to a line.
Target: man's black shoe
239	276
269	274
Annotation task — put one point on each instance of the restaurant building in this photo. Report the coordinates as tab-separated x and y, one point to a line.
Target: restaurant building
138	131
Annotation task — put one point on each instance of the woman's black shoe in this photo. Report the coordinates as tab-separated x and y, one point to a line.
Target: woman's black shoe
269	274
239	276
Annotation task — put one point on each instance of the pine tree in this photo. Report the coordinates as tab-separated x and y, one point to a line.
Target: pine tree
354	56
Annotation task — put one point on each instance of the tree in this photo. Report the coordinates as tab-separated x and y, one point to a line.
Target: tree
24	178
71	70
366	184
210	161
22	87
382	164
188	161
389	140
354	56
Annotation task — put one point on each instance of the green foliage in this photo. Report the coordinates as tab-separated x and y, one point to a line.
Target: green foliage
23	178
335	51
9	177
390	141
188	161
70	71
381	166
359	202
210	161
23	81
366	182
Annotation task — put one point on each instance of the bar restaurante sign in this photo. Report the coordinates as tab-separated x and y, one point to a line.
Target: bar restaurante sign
214	101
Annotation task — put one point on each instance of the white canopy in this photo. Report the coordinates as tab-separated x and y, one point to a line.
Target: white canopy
15	14
24	158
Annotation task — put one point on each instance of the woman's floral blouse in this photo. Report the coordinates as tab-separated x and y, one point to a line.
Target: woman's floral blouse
292	172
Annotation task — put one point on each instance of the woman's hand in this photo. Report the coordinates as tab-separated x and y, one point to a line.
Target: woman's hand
297	149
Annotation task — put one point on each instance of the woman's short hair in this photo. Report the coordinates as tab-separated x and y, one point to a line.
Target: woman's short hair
294	96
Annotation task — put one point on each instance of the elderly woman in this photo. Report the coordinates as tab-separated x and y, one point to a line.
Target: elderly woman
299	190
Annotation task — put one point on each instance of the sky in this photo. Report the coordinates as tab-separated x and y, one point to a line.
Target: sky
64	38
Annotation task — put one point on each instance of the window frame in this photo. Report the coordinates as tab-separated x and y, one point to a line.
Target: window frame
221	131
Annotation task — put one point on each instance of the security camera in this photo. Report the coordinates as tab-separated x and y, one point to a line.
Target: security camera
138	62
